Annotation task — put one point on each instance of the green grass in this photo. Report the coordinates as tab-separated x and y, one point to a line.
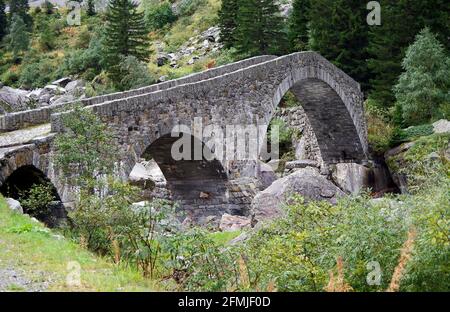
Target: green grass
36	251
221	238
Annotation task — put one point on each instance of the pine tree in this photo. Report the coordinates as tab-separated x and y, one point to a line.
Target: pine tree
3	21
338	31
401	20
90	8
19	37
422	90
260	28
228	22
298	25
126	31
21	8
126	36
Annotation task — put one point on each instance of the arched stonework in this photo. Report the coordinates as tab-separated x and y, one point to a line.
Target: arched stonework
248	96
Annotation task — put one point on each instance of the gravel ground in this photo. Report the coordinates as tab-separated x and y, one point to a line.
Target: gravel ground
13	280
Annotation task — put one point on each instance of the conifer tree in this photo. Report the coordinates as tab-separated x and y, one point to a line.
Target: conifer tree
298	25
422	90
21	8
228	22
401	20
90	8
260	28
338	31
19	39
125	34
126	31
3	21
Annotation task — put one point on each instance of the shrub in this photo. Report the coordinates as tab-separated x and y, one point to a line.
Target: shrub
134	74
36	200
159	15
188	7
379	129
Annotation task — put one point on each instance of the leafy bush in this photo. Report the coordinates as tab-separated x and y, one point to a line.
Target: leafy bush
410	134
134	74
379	129
159	15
36	200
38	70
188	7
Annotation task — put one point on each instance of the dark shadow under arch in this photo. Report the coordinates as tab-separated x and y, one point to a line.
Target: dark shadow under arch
198	186
330	120
22	180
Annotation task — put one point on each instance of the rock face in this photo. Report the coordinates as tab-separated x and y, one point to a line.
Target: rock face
230	223
266	175
60	91
351	177
12	100
14	205
307	182
441	126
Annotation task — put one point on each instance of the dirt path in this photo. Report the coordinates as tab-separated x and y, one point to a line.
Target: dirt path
13	280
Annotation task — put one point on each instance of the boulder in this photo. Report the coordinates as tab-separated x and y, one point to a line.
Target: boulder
74	86
307	182
266	175
61	82
13	100
441	126
62	99
14	205
141	177
351	177
229	223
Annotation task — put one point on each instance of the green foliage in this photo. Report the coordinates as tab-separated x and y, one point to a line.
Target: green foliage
88	62
20	8
126	34
380	131
284	135
189	7
411	133
35	201
298	25
37	70
401	22
198	263
260	28
84	151
133	73
338	31
422	90
19	39
158	15
3	21
228	22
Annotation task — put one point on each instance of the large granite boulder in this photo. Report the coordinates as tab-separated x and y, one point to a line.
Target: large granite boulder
13	100
307	182
351	177
441	126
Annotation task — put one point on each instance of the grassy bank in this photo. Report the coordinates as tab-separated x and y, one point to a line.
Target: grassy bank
43	256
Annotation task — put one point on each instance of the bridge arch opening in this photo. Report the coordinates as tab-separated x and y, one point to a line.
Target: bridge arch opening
328	116
36	193
199	186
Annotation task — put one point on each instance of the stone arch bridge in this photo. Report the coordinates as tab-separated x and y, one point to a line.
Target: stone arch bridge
243	93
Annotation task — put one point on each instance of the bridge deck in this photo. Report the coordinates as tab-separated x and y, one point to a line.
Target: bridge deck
24	136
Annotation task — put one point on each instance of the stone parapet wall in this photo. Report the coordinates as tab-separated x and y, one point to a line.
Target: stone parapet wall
19	120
